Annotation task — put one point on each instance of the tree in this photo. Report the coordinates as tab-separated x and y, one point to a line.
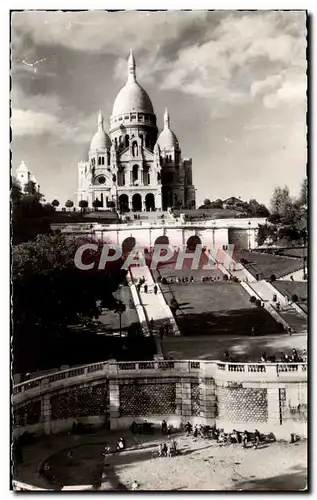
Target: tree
29	216
284	207
96	204
83	204
207	201
30	188
303	197
55	203
51	296
69	204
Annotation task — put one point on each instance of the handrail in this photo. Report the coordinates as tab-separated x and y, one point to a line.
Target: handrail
115	368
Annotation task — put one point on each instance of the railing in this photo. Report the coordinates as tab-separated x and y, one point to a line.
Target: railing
212	223
177	366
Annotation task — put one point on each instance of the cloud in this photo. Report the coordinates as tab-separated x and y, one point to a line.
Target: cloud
100	31
39	115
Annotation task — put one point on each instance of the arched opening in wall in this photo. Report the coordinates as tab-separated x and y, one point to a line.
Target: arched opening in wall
162	240
126	141
147	141
192	243
135	173
150	202
128	244
116	142
137	202
123	203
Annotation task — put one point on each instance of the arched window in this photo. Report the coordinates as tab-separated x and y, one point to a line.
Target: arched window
116	142
126	140
147	141
135	173
108	158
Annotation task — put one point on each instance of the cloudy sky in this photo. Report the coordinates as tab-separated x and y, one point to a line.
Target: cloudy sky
234	83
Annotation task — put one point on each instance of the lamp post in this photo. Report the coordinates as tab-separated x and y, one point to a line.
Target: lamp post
249	236
120	311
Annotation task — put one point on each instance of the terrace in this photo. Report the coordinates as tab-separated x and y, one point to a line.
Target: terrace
265	265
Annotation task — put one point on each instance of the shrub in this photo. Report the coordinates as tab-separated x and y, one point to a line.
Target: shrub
272	277
253	299
235	279
258	303
294	297
225	277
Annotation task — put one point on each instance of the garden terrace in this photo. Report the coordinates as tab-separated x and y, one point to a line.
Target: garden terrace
265	265
218	307
289	288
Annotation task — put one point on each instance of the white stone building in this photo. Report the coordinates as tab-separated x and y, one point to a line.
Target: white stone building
133	167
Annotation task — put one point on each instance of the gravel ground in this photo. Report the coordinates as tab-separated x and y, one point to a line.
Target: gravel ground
204	465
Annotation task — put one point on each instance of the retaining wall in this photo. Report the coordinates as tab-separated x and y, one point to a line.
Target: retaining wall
271	397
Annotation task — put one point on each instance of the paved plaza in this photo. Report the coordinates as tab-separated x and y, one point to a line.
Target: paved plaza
202	464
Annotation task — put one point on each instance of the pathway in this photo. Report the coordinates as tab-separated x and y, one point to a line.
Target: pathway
154	305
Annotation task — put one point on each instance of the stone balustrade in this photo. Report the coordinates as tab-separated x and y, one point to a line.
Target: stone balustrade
270	371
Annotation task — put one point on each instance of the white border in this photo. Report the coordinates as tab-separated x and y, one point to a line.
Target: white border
4	195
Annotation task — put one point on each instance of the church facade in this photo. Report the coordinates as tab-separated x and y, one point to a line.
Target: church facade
133	168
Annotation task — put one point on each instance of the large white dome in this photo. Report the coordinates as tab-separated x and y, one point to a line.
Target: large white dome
132	97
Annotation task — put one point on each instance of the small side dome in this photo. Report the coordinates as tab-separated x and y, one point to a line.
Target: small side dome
100	140
167	139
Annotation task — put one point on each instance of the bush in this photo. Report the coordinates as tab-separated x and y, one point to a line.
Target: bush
225	277
294	297
272	277
258	303
253	299
235	279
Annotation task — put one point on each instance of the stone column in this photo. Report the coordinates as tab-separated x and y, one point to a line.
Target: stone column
114	402
46	413
178	398
208	403
186	399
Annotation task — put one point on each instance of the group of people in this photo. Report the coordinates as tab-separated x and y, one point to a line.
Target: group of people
120	446
168	449
234	437
142	282
163	329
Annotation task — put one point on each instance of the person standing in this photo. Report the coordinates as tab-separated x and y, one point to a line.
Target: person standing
155	289
145	288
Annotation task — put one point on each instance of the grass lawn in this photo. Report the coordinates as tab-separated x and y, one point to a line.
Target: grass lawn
265	264
217	307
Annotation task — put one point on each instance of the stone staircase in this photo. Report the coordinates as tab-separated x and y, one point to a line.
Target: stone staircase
154	305
287	312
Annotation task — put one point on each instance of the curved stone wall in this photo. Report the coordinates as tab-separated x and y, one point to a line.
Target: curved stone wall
272	397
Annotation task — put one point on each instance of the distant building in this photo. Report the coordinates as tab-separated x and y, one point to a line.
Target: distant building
24	175
229	202
134	168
